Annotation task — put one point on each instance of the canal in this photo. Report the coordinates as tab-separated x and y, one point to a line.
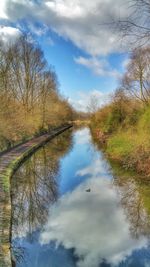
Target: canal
71	207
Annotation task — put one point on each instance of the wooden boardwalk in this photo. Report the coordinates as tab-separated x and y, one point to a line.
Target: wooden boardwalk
9	162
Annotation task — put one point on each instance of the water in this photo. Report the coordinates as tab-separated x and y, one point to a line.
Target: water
71	208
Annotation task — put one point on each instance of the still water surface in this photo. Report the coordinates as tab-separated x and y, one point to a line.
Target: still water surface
72	209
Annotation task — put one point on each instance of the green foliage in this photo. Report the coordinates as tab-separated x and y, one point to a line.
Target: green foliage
120	145
126	125
144	122
133	117
113	121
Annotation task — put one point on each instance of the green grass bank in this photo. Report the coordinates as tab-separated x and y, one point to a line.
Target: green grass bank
123	131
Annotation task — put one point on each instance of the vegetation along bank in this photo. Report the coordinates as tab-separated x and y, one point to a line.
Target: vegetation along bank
122	126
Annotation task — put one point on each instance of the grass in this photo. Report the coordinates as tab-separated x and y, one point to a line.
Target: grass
128	143
120	145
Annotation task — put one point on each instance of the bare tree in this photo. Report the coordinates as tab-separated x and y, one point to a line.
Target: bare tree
137	25
136	80
48	87
27	65
93	104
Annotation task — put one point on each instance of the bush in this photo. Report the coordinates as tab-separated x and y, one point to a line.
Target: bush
120	145
144	122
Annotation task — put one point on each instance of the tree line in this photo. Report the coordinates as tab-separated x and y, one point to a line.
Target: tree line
123	124
30	102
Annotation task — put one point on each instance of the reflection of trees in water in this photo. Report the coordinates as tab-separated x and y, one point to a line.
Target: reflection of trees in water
34	186
132	199
134	192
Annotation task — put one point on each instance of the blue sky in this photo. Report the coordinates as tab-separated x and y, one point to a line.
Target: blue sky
76	79
88	58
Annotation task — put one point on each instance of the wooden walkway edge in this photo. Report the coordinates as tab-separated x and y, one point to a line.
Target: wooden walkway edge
9	162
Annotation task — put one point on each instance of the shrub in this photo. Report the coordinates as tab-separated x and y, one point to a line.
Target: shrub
120	145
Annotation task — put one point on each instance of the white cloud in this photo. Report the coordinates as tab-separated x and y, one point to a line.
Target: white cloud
93	224
66	9
8	34
81	22
38	30
82	136
99	67
2	10
78	20
97	168
82	100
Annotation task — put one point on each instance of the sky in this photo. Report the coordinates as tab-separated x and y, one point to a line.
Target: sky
88	56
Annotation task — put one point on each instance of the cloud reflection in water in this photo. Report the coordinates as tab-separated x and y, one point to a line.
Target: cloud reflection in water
92	223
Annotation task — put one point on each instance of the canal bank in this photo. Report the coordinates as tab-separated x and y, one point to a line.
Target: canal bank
9	162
